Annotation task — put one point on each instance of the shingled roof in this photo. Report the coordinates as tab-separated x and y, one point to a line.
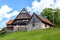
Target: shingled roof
45	20
9	22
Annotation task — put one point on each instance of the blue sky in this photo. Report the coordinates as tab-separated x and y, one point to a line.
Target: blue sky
16	4
9	9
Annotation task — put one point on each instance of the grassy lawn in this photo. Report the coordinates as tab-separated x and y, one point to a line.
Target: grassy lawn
42	34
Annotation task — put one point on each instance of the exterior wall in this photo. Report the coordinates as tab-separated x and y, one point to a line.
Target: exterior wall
15	28
38	25
9	29
48	26
18	27
9	25
43	25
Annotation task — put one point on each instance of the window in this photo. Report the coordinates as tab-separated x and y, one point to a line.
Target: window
24	14
9	28
45	25
24	20
17	21
33	23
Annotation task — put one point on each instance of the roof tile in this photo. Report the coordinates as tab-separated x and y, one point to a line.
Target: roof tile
9	22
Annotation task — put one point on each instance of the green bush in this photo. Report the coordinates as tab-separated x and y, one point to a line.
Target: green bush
3	31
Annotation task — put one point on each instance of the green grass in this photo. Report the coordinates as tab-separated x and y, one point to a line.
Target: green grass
43	34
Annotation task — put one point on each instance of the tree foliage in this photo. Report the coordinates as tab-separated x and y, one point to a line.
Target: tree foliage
48	12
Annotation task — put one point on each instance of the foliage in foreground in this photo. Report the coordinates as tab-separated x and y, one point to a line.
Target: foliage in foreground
3	31
42	34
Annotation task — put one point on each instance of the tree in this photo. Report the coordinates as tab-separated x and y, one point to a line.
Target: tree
48	12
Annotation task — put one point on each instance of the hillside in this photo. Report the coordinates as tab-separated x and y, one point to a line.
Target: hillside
42	34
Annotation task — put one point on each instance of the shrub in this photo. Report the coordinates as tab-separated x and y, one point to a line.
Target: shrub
3	31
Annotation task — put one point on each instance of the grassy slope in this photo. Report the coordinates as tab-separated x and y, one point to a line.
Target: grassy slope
43	34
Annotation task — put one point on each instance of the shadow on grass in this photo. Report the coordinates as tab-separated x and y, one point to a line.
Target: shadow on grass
3	35
7	33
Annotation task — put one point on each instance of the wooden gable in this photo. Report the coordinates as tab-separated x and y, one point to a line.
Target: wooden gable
23	14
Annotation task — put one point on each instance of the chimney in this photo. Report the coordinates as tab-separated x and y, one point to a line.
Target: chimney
29	11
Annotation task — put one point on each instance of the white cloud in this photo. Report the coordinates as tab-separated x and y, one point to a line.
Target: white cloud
3	11
57	5
14	13
6	12
39	6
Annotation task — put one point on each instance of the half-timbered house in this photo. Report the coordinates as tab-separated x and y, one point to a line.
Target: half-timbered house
24	21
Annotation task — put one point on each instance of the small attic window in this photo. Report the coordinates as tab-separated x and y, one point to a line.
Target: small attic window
24	14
